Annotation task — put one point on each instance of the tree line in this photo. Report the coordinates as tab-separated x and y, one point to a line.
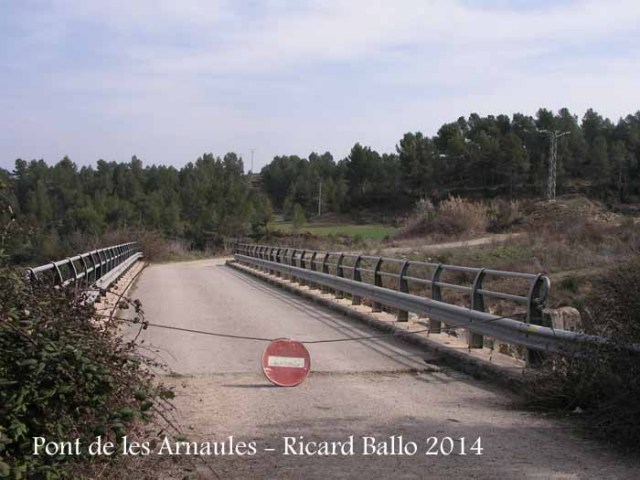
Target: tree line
481	156
213	198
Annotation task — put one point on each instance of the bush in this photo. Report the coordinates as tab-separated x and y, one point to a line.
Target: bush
463	215
454	216
63	375
602	380
502	215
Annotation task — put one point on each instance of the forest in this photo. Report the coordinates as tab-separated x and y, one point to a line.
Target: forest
213	198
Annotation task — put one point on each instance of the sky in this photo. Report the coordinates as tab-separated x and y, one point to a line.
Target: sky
170	80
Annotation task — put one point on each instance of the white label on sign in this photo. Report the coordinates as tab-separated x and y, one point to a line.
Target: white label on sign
291	362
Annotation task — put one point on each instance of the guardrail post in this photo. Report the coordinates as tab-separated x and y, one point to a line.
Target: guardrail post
100	266
357	277
270	257
436	294
403	286
256	254
303	264
31	276
377	281
293	263
107	260
325	269
278	260
312	262
57	274
262	249
110	259
340	274
72	269
537	298
93	264
86	270
477	303
285	261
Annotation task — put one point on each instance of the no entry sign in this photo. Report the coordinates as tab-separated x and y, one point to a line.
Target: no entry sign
286	363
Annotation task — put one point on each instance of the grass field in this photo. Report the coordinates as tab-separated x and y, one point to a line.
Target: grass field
367	232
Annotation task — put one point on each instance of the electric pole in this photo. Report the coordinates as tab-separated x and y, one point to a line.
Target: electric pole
252	150
320	198
553	155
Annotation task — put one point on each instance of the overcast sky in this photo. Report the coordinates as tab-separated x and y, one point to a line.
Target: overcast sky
170	80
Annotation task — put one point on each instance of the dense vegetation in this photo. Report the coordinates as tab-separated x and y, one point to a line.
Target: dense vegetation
212	198
481	156
65	375
602	382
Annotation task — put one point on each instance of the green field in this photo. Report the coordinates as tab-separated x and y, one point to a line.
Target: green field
370	232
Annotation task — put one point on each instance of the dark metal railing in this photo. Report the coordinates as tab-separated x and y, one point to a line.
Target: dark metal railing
85	269
433	290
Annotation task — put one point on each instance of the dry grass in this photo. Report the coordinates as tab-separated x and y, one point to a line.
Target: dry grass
453	217
602	380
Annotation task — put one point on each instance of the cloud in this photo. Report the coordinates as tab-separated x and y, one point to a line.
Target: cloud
173	78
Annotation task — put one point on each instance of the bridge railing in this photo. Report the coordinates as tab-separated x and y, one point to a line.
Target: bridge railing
452	295
97	268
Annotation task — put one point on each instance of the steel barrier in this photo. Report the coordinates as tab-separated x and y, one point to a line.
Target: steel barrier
97	268
326	270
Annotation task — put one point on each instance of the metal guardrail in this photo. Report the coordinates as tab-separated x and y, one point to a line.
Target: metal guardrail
326	270
97	268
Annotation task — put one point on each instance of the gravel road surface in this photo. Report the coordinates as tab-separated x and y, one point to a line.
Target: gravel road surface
381	389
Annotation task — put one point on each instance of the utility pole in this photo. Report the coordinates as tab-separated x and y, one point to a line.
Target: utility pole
252	150
553	155
320	198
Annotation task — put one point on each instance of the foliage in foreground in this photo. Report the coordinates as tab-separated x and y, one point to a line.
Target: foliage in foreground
63	376
602	381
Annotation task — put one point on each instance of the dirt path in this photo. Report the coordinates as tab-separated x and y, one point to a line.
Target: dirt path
475	242
374	388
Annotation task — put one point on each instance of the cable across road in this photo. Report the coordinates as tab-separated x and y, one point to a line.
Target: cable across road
145	324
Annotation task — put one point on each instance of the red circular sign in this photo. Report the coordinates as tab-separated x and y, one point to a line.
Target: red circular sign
286	363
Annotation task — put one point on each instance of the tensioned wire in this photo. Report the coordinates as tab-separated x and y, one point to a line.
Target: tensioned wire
145	324
398	333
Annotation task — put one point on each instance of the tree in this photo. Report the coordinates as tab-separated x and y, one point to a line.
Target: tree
262	214
299	218
362	167
418	163
513	161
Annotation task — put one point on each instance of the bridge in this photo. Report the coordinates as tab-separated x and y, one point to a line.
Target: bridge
371	381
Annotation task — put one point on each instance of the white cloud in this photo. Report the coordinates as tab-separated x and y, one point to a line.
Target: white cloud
294	76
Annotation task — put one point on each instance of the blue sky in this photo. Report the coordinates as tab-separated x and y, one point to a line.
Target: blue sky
170	80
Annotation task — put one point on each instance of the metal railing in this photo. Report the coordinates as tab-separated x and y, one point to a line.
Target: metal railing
95	268
421	288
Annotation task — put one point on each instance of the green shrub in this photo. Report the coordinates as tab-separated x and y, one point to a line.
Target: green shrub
502	215
63	375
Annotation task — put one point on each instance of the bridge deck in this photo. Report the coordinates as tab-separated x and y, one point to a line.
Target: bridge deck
360	388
